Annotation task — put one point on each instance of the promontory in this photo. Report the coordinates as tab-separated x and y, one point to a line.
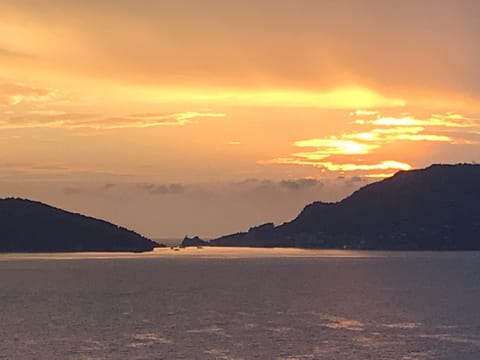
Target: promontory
30	226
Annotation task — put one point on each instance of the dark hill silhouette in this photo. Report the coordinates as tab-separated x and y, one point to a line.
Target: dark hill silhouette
195	241
437	208
29	226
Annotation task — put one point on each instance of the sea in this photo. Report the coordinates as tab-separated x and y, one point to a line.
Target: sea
239	303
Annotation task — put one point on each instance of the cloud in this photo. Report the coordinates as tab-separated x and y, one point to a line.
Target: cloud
334	145
187	190
272	44
379	175
357	148
148	36
364	113
356	179
253	184
108	186
163	189
150	120
399	133
300	184
82	190
343	167
12	93
37	168
448	120
73	121
44	119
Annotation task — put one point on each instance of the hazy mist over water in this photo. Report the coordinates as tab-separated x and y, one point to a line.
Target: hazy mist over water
221	303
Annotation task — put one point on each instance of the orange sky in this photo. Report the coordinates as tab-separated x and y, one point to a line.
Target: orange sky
190	110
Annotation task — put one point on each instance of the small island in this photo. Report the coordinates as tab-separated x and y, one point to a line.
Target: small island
30	226
436	208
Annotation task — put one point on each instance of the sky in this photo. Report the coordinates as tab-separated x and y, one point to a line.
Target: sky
190	117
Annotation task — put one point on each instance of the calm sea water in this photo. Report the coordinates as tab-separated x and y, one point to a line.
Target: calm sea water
240	304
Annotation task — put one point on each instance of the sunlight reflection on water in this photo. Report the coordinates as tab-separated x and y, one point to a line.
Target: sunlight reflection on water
233	253
240	303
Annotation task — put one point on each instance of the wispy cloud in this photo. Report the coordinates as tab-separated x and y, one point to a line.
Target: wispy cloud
108	186
233	143
334	145
163	189
71	121
374	133
13	93
436	120
300	184
187	190
364	113
331	166
37	168
96	190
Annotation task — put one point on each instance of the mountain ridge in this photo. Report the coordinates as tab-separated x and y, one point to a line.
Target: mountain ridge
435	208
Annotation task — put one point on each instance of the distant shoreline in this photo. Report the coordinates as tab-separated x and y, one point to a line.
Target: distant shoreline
226	253
435	208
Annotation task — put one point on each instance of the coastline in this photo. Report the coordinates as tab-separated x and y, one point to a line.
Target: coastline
233	253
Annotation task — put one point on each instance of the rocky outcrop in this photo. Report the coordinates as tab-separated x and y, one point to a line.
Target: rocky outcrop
195	241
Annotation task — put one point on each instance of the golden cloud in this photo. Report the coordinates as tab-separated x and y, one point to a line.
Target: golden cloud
361	145
12	93
448	120
270	48
47	119
331	146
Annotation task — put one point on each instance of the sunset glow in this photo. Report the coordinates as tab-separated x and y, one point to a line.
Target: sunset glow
209	95
381	132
